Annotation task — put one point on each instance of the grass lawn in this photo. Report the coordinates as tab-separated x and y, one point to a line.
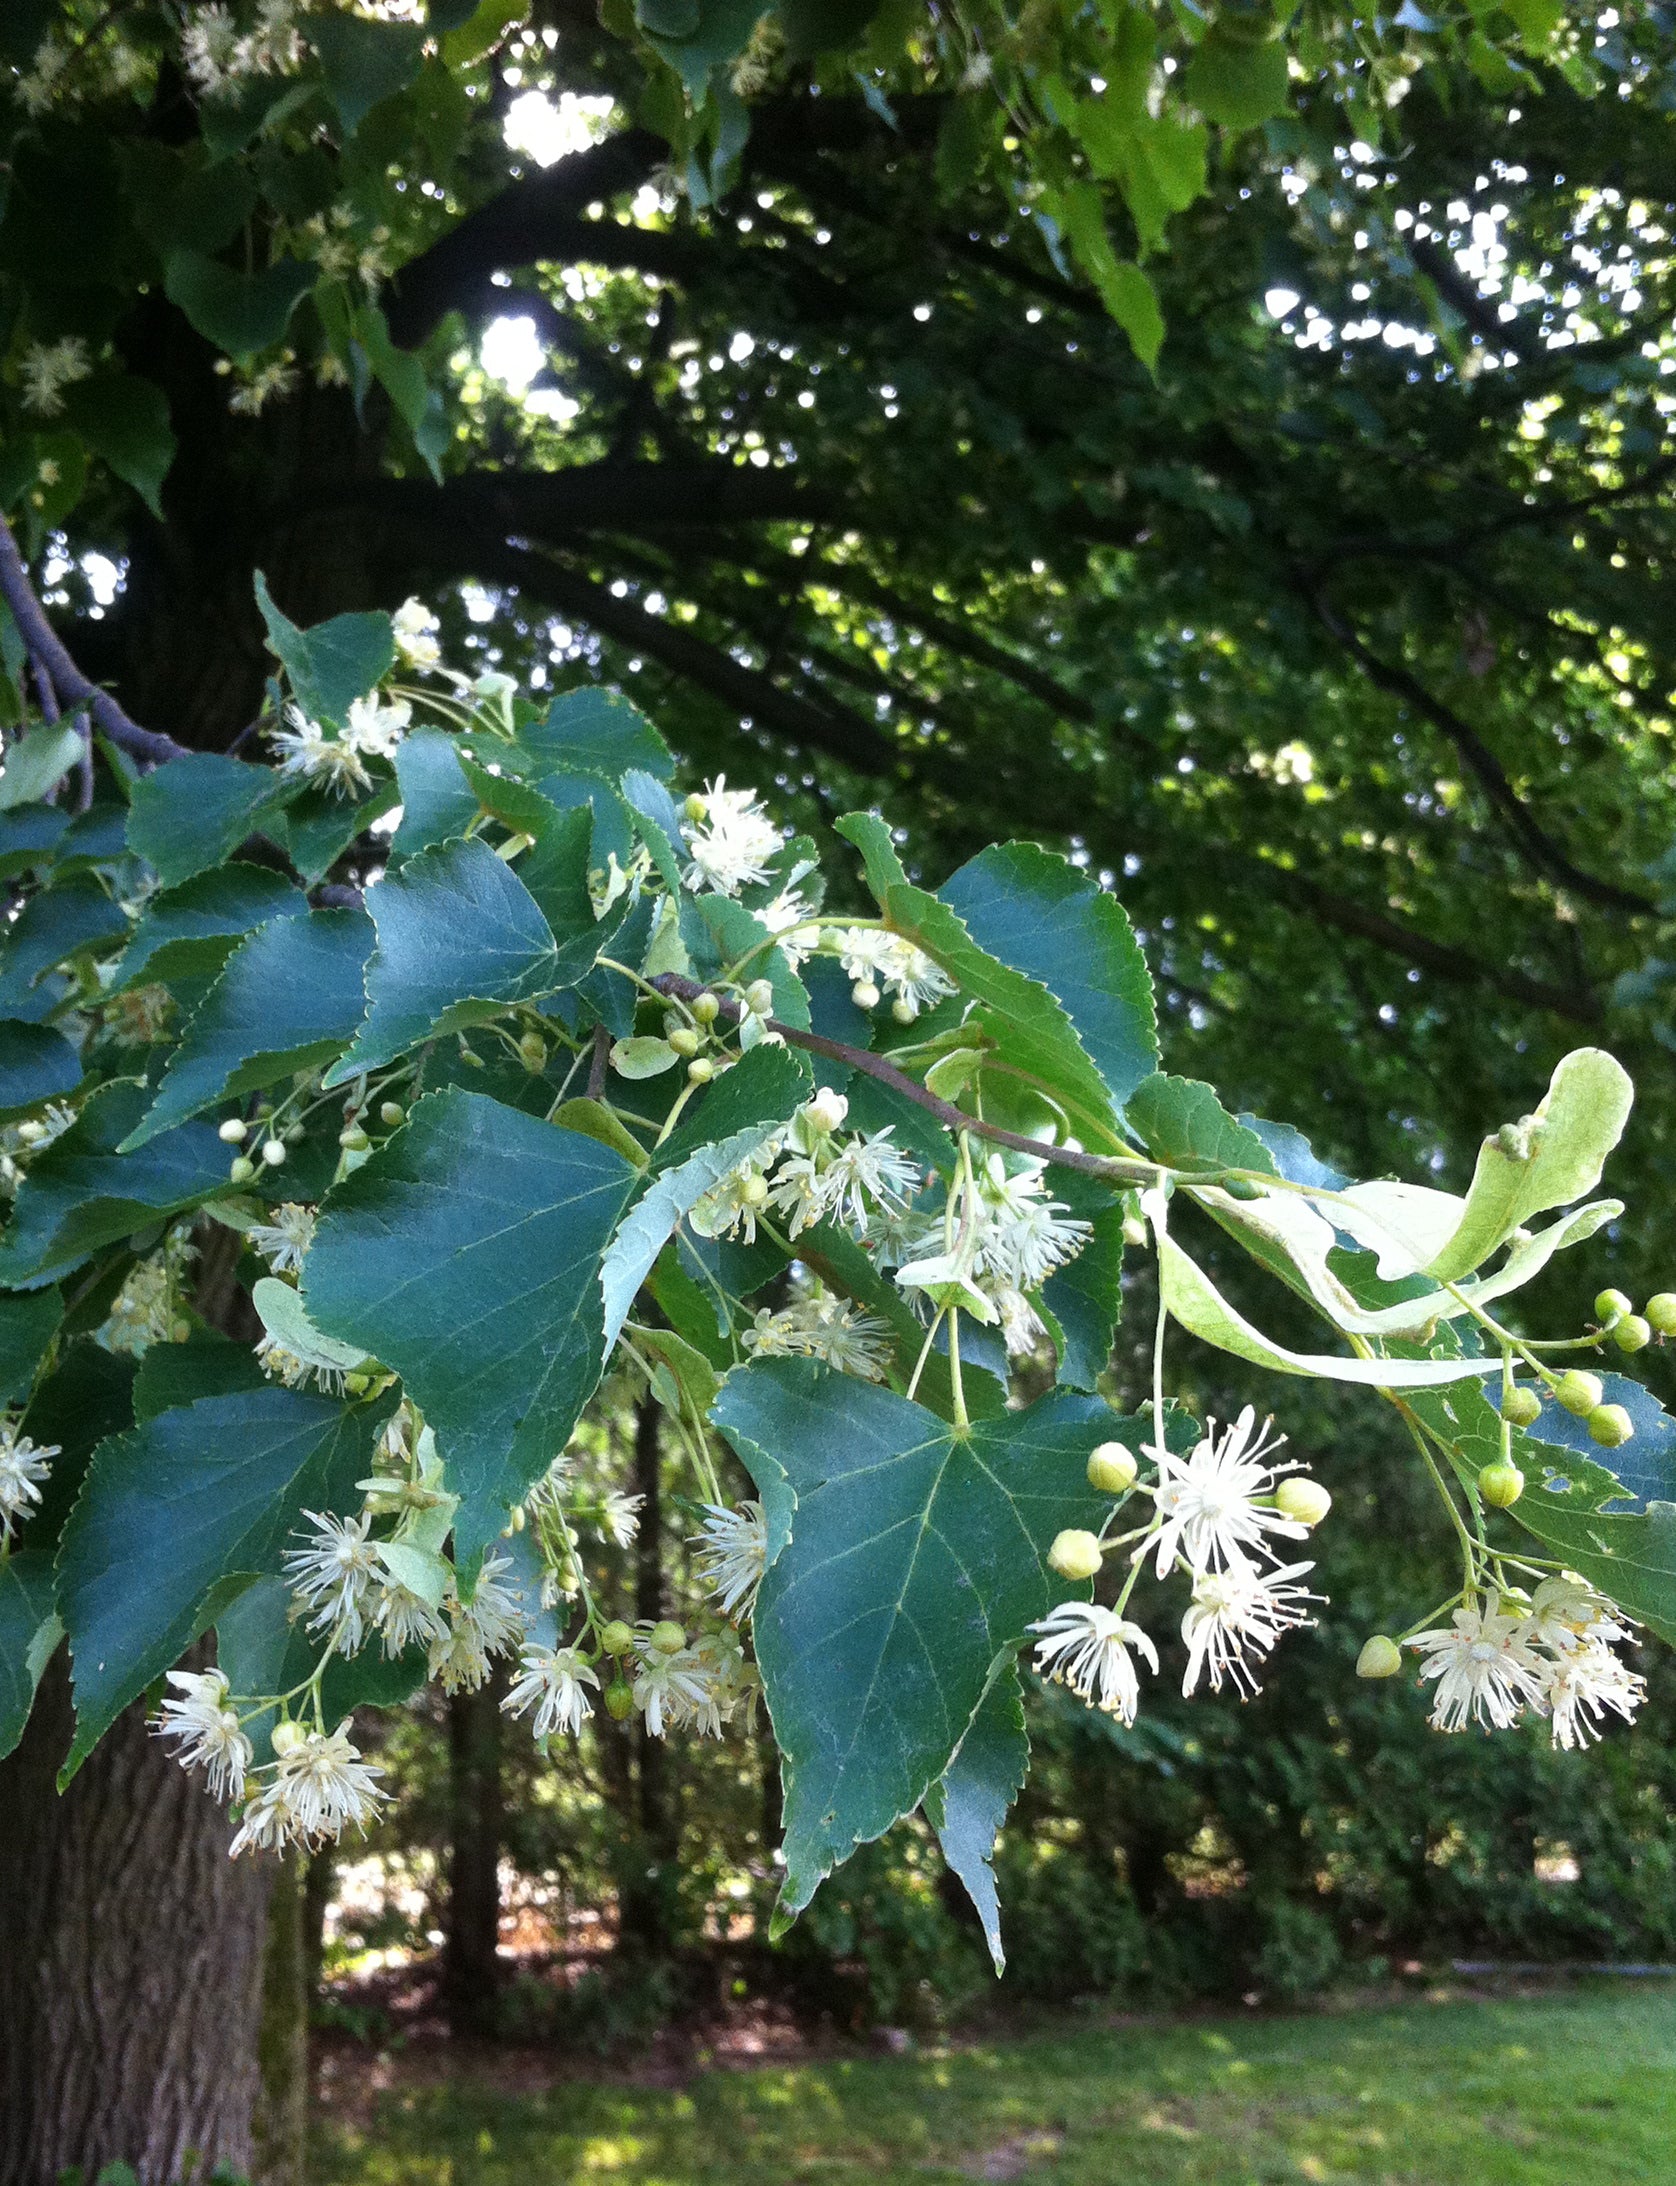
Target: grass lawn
1576	2090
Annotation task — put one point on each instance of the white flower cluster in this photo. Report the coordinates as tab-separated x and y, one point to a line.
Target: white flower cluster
1214	1513
671	1683
823	1328
150	1306
308	751
730	839
316	1785
879	963
217	54
48	368
1552	1654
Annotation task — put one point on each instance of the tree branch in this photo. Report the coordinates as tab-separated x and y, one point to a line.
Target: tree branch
1539	849
73	690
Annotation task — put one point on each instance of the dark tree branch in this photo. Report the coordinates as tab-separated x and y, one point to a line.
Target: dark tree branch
52	659
1462	297
553	506
1538	848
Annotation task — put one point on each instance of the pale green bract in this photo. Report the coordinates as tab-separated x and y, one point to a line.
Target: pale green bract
569	1106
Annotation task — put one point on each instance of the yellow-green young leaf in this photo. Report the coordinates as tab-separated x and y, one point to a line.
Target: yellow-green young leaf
643	1057
1237	82
1194	1300
916	1557
39	758
420	1570
1549	1159
465	1254
282	1314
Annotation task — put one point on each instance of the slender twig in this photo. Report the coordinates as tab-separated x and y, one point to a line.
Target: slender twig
52	661
601	1056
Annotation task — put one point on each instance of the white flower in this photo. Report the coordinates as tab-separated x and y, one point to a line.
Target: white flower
333	1575
672	1690
1567	1613
898	966
730	848
1023	1234
307	752
845	1185
619	1516
375	727
1584	1682
1022	1327
732	1552
405	1619
283	1365
143	1311
1484	1669
1087	1648
730	1208
48	368
416	634
284	1242
1207	1501
823	1328
554	1677
206	1730
783	916
320	1784
491	1623
209	46
946	1279
23	1467
1239	1611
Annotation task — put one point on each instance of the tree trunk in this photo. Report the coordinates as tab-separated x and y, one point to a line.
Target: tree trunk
280	2130
131	1972
471	1962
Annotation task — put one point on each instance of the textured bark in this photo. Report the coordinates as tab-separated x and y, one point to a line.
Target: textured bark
279	2134
131	1973
471	1962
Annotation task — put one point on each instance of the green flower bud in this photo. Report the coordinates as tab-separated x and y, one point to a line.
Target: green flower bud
904	1009
696	807
1135	1231
1075	1554
865	995
242	1169
354	1138
1111	1468
685	1039
1306	1502
287	1737
273	1152
1661	1313
1501	1484
668	1637
1521	1406
357	1385
391	1113
827	1110
1610	1306
232	1131
1380	1657
1632	1333
701	1070
619	1700
754	1190
517	1518
1611	1426
617	1638
706	1007
1578	1393
759	997
179	1330
532	1052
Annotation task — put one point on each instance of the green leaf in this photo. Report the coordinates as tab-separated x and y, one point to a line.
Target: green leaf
1235	81
1035	911
332	664
240	313
52	927
1030	1028
760	1092
969	1801
206	1365
318	827
917	1556
35	1064
1578	1510
466	1255
600	732
39	759
1181	1123
195	812
287	999
646	1057
1553	1157
174	1514
460	941
365	61
125	421
29	1635
437	800
224	904
81	1192
28	1322
1085	1297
